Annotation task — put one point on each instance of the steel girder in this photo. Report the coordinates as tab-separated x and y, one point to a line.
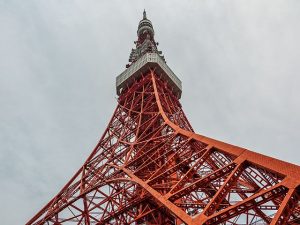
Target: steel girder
149	167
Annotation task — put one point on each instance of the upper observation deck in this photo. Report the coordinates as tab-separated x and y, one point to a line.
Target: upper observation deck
141	66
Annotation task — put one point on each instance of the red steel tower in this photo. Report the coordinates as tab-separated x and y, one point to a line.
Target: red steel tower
149	166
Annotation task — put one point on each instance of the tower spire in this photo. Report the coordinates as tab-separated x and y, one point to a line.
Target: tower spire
145	55
145	42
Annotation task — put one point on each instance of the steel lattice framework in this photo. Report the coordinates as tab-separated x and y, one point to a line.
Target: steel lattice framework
150	167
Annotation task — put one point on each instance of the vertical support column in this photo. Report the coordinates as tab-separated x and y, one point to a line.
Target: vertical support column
287	206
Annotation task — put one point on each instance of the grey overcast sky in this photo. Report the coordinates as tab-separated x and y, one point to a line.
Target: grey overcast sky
238	61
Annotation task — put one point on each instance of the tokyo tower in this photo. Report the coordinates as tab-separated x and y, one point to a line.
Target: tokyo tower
150	167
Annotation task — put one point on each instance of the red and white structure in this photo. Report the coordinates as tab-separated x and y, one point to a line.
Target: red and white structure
150	167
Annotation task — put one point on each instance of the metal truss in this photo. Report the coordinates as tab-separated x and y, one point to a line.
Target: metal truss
150	167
